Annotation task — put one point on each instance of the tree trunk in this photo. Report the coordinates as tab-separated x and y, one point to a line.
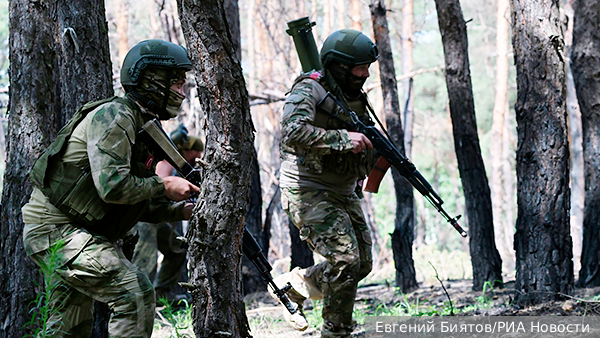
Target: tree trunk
585	58
542	241
355	16
122	22
402	237
59	60
406	48
252	280
232	12
487	265
170	25
500	105
216	226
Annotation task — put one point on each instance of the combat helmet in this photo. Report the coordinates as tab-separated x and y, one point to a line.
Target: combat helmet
341	52
350	47
149	70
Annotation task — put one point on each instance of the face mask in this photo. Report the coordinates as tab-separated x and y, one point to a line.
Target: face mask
350	84
353	84
174	103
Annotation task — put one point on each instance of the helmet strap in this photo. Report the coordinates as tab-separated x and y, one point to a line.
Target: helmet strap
146	102
167	92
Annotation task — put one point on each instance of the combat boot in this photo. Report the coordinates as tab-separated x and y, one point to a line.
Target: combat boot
299	292
330	330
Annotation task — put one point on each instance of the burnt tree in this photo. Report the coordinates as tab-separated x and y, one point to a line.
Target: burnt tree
485	259
59	57
252	280
216	226
585	62
542	241
403	235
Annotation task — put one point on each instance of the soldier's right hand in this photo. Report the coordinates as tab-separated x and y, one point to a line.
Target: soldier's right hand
179	189
359	141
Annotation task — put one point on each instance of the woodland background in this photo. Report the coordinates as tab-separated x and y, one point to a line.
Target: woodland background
269	65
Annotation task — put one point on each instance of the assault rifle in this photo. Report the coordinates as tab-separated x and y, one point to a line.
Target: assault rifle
391	156
301	32
155	137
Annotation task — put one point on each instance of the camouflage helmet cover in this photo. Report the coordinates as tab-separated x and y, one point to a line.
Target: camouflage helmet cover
350	47
153	53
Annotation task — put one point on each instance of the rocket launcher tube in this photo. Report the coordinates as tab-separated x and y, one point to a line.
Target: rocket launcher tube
304	41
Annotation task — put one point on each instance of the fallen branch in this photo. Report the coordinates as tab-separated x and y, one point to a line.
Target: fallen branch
443	287
579	299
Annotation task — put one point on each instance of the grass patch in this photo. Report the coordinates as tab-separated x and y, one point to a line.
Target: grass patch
42	310
177	322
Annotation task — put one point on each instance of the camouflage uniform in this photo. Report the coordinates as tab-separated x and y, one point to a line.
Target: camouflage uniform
319	176
90	267
161	237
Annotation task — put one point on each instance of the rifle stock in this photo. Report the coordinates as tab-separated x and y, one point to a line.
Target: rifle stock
155	137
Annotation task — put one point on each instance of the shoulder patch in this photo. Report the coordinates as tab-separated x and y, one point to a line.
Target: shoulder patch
315	75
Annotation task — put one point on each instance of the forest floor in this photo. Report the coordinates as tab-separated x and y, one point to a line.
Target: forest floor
266	316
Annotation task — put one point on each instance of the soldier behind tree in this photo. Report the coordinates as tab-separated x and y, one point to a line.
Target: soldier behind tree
163	237
322	165
94	183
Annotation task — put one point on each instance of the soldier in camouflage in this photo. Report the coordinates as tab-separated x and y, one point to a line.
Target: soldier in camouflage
163	237
322	165
93	184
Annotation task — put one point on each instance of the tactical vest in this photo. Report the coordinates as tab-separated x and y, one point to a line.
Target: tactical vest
329	116
71	189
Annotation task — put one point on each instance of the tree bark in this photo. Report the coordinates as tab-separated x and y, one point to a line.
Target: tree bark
252	279
59	60
218	220
487	265
585	58
402	237
542	241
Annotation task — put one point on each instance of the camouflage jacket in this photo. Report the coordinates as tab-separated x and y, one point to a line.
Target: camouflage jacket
315	146
122	188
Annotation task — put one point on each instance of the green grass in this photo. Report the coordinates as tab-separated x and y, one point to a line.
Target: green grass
178	322
41	308
314	316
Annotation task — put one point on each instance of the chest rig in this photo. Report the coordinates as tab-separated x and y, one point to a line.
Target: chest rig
71	189
330	116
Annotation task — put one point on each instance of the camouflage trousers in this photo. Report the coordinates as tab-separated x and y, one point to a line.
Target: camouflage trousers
161	237
97	271
333	226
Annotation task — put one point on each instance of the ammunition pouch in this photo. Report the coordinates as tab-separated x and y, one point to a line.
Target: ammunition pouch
71	189
348	163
